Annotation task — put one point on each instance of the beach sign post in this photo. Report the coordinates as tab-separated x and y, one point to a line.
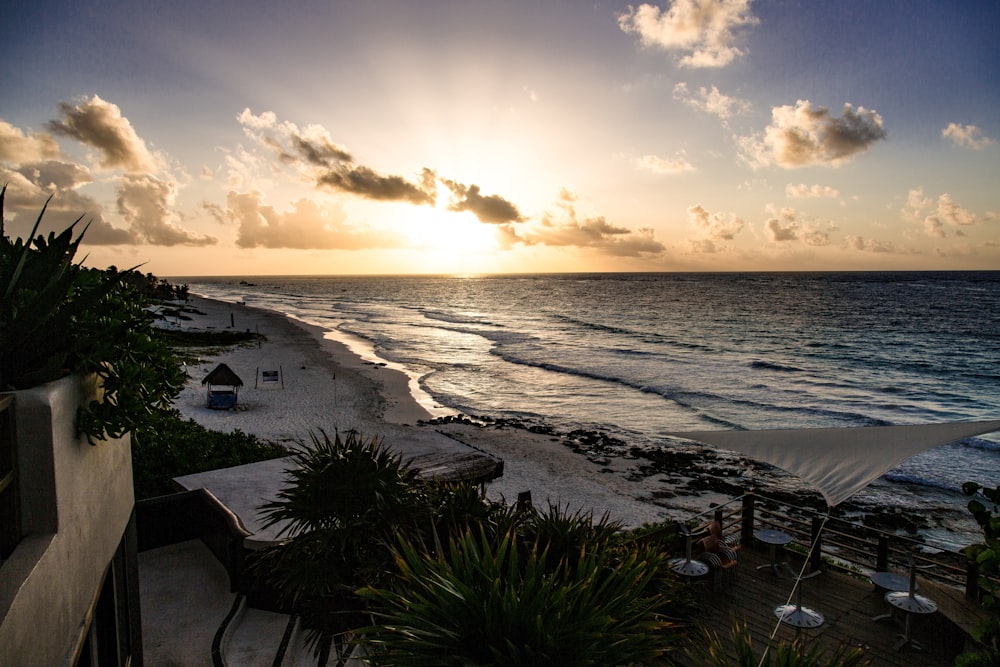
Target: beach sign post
270	376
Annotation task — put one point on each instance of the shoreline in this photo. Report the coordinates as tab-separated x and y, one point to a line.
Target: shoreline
328	385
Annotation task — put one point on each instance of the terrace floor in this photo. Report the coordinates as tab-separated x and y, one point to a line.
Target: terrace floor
848	604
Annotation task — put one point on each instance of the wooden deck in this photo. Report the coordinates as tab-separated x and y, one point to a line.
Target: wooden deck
847	603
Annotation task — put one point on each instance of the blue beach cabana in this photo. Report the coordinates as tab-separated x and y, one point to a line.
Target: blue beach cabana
223	387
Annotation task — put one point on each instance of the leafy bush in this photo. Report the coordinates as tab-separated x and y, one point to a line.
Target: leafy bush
986	555
167	446
58	318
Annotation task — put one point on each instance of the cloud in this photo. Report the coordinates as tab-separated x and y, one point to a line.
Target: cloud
492	209
805	135
146	204
100	124
659	165
711	101
17	146
966	136
783	228
703	30
717	226
862	244
366	182
803	191
313	154
306	226
786	226
30	185
939	217
566	227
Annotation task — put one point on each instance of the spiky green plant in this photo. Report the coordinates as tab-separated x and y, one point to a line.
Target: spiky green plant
798	653
346	499
489	601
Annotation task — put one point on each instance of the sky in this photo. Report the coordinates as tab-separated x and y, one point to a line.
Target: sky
381	137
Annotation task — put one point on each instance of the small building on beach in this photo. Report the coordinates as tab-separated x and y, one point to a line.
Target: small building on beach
223	388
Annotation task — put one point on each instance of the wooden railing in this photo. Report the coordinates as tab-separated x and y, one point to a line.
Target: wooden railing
840	544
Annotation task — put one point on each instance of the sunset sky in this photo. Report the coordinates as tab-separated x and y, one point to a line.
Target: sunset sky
251	138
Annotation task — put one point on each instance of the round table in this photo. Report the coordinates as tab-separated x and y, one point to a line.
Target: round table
689	568
910	604
773	539
891	581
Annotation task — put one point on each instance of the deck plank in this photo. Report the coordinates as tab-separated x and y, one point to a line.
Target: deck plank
848	604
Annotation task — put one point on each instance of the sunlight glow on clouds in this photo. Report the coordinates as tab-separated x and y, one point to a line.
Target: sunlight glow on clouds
966	136
100	124
711	101
802	190
660	165
938	217
718	226
704	30
805	135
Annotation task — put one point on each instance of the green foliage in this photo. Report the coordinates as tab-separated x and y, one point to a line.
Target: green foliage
986	555
166	445
489	602
347	498
57	318
553	588
799	653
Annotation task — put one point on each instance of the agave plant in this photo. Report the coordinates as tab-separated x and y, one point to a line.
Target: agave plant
798	653
489	600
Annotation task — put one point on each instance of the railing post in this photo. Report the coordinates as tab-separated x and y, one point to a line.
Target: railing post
882	554
817	540
972	580
746	529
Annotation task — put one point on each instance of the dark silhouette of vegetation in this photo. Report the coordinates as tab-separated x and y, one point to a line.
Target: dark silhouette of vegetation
167	446
59	318
985	508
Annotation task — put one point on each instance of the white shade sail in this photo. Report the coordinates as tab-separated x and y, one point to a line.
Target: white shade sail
840	461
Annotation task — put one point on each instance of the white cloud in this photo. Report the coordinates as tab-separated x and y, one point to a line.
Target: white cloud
568	226
718	226
711	101
146	203
100	124
966	136
939	216
660	165
803	191
703	30
306	225
863	244
804	135
18	146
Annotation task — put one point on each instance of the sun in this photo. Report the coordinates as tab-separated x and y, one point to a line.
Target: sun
438	229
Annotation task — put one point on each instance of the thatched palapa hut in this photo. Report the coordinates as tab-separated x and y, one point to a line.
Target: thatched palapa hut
223	387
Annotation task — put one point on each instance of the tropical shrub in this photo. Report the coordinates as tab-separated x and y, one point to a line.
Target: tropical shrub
166	445
798	653
986	555
58	318
346	500
550	590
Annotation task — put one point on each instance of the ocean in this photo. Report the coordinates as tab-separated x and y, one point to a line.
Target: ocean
638	355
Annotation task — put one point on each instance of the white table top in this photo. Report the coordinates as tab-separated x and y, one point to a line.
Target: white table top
772	536
914	604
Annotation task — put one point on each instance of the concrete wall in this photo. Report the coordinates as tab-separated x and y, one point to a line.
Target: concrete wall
76	503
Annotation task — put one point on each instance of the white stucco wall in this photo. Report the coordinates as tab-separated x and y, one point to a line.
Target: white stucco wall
77	500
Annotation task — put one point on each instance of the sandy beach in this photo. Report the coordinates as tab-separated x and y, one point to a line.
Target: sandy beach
323	384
